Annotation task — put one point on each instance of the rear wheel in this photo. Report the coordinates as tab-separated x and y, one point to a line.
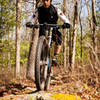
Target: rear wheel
41	64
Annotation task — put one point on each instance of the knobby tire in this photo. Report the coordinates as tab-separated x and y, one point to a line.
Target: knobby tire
42	53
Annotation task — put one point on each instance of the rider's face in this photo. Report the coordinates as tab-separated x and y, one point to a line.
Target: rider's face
46	3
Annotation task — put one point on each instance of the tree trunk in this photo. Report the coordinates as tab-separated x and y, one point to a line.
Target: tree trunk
94	28
70	49
32	54
89	17
75	23
81	28
9	52
18	21
64	37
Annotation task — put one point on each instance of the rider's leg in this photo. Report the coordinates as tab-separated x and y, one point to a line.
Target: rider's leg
57	37
57	49
58	43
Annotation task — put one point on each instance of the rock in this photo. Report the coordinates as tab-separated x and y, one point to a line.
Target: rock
42	95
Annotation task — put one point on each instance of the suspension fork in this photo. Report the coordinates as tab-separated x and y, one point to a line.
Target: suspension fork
49	46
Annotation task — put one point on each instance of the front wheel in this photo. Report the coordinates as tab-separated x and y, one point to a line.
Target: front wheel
41	65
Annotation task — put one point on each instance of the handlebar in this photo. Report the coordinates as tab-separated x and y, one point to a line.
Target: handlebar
45	26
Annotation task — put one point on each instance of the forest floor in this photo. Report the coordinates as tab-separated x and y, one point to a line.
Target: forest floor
84	85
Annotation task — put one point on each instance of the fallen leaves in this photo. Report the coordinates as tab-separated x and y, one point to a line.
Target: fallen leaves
65	84
65	97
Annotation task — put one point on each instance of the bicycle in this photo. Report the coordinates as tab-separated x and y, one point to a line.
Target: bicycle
43	59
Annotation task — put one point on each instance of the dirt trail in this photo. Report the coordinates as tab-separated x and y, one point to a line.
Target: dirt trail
62	85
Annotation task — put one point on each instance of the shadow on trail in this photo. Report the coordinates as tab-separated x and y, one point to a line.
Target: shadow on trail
15	89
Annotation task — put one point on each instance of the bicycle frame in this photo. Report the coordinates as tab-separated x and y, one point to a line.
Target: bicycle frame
43	58
49	38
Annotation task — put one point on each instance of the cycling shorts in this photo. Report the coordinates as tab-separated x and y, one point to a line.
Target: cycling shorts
56	35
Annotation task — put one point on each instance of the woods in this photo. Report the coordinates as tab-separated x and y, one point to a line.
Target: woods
80	54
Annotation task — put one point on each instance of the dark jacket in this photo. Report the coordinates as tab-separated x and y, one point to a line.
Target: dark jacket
47	15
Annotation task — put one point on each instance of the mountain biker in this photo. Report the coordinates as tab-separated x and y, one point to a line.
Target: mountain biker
47	13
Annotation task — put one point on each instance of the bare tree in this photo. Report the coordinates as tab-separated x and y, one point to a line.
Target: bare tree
32	53
64	42
70	16
94	26
69	48
81	26
75	23
89	16
18	21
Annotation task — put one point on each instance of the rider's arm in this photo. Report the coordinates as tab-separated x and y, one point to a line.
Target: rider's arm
33	19
35	16
63	18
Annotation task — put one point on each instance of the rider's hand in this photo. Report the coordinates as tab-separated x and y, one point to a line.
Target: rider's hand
65	25
29	24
